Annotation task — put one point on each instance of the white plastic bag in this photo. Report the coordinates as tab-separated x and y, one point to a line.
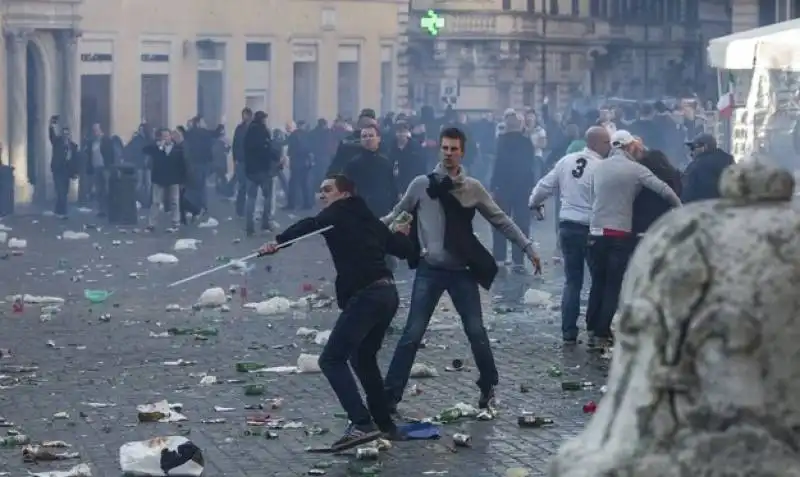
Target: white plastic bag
161	456
162	258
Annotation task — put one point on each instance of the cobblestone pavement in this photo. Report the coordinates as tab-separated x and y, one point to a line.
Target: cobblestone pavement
85	357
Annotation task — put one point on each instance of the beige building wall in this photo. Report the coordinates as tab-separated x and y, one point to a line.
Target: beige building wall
292	28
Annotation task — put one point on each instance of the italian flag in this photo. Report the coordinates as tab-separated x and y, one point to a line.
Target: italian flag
725	102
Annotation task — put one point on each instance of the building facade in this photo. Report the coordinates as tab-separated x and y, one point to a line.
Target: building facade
118	63
504	53
749	14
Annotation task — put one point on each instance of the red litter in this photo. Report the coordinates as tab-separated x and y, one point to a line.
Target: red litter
307	287
18	306
590	407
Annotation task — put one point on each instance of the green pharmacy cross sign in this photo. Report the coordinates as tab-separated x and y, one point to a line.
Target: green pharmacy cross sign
432	23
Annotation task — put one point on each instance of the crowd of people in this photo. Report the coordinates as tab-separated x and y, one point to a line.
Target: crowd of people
402	186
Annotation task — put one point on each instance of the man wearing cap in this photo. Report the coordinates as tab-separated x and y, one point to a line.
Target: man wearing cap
615	183
701	178
350	146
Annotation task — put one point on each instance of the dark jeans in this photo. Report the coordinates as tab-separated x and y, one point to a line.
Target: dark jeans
240	182
61	185
574	239
264	182
429	285
198	184
356	337
299	193
608	260
518	210
100	181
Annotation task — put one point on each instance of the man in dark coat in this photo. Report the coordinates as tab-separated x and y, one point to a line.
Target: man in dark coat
350	146
237	148
261	165
100	157
63	164
701	177
407	156
373	173
168	172
301	161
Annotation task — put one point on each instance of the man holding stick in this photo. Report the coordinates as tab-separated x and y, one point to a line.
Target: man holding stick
366	294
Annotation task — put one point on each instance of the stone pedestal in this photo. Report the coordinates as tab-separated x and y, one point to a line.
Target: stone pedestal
17	41
705	378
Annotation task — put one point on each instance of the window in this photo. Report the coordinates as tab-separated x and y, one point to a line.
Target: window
576	8
766	12
506	5
566	62
594	8
553	7
258	52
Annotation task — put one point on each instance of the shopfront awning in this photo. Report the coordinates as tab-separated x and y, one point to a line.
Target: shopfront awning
737	51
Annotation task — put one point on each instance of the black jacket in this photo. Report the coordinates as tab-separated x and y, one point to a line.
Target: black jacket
66	156
701	177
237	148
348	148
358	242
459	238
167	169
260	156
373	175
198	145
299	151
409	162
106	150
649	206
516	167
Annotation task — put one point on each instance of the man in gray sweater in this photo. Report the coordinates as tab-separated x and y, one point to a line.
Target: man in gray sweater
615	183
441	269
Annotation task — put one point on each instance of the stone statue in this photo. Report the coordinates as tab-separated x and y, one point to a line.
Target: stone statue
705	377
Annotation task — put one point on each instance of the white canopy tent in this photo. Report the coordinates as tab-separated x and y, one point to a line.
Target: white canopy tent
737	51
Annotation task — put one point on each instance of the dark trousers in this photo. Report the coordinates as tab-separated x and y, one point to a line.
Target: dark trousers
574	240
186	206
356	338
608	260
100	181
61	185
517	209
299	193
240	182
429	285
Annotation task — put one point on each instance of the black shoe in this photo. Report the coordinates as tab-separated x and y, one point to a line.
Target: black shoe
355	436
486	400
570	341
393	434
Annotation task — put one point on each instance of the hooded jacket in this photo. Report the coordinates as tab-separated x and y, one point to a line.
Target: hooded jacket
516	168
701	177
358	242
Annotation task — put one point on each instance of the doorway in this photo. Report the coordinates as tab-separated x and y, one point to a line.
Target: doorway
304	101
95	102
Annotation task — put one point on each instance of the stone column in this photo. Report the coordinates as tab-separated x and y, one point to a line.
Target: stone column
70	91
17	41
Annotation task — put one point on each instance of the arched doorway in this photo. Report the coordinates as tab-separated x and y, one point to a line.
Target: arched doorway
37	122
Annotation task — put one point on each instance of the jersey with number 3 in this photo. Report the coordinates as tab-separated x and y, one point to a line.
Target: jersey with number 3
571	176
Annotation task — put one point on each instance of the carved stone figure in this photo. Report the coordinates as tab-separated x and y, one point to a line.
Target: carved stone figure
705	377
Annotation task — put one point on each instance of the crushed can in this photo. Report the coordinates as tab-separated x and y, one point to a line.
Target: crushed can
367	453
462	440
254	390
19	305
457	364
590	407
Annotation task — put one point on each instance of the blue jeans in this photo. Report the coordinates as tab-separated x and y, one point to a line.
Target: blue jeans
573	238
261	181
608	261
356	337
429	285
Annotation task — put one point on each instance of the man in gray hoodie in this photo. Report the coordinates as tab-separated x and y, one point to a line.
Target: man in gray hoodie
615	183
450	259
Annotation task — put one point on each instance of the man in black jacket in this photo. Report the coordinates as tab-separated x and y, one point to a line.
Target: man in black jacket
407	156
63	164
168	171
373	173
261	165
701	177
367	296
100	157
350	146
516	171
238	150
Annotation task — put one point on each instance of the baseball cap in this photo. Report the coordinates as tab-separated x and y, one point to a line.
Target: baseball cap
702	140
622	138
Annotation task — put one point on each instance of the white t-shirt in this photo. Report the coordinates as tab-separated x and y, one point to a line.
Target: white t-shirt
571	175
